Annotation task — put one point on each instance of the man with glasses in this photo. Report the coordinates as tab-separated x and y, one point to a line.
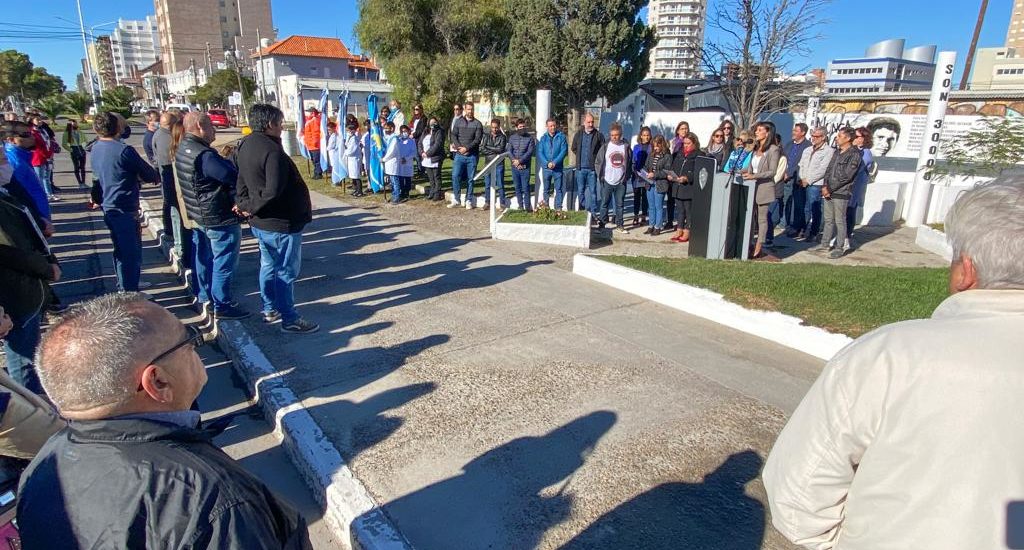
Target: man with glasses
134	468
813	163
794	196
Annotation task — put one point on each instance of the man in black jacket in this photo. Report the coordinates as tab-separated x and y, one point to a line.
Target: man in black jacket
207	183
26	265
839	177
272	192
467	133
134	468
585	145
494	144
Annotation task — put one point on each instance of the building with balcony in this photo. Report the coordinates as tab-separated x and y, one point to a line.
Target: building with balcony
885	67
134	45
188	29
679	25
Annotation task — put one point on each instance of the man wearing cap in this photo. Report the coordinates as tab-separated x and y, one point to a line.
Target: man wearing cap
311	139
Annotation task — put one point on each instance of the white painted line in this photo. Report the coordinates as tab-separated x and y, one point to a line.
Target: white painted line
350	510
770	325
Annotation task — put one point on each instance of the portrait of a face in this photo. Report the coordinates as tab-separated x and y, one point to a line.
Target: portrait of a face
885	133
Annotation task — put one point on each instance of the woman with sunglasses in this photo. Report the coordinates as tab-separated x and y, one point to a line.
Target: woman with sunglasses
728	129
863	142
659	162
641	151
738	159
716	149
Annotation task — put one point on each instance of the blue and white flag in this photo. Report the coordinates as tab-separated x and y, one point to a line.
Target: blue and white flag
375	171
300	124
325	162
339	172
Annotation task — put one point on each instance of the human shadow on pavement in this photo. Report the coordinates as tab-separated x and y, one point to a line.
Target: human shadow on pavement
504	498
715	514
363	424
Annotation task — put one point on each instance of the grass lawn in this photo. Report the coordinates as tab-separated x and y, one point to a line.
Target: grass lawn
938	226
850	300
545	216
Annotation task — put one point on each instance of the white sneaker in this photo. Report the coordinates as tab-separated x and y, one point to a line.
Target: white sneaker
453	204
469	204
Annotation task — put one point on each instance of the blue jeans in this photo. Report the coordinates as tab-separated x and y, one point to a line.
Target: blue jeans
812	210
795	205
280	260
586	188
20	347
464	168
396	188
124	233
43	173
775	211
656	207
499	188
216	260
553	177
521	181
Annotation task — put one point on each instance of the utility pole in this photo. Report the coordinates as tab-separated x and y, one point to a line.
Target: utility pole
195	80
974	45
88	62
209	61
259	55
241	91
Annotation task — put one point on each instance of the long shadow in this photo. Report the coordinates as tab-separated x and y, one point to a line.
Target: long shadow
715	514
497	501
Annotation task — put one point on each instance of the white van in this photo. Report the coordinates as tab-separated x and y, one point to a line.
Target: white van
183	107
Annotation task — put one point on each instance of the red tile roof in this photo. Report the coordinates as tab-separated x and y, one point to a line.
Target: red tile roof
309	46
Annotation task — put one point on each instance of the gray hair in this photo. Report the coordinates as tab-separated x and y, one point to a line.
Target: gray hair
986	224
88	358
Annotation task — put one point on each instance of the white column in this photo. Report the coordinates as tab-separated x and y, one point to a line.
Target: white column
921	193
541	122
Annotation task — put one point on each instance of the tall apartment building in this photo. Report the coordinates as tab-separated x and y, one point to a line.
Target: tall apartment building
186	26
1015	32
679	25
101	60
135	45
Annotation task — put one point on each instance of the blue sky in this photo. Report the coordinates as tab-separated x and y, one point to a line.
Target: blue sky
854	24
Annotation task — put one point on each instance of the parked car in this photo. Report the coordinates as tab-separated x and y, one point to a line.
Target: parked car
219	118
183	107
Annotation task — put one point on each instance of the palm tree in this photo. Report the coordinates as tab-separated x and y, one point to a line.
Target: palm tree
51	106
78	103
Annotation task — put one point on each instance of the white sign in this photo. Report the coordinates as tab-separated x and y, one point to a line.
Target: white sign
235	99
920	197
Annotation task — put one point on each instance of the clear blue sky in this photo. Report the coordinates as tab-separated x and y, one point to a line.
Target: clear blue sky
854	25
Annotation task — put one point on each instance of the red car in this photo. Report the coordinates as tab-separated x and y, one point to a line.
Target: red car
219	118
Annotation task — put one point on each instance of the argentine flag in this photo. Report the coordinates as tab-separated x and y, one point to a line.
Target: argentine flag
375	171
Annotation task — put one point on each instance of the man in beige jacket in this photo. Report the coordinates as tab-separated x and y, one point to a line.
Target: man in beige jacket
26	420
913	436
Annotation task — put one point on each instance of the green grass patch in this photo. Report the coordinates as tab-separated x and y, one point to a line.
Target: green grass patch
938	226
545	216
850	300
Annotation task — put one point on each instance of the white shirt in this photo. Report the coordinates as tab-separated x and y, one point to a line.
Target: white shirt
427	139
912	437
407	153
392	158
614	163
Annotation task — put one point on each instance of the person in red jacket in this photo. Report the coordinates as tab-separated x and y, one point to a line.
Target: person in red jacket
311	139
41	156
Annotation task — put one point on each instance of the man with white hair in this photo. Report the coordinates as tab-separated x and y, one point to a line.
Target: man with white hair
133	468
911	437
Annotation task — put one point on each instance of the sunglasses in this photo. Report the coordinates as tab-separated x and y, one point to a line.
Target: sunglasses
193	336
718	136
24	134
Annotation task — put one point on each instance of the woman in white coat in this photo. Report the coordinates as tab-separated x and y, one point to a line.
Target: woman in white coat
407	152
392	162
353	157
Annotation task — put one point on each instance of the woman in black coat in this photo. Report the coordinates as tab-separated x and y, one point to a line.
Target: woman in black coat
682	184
659	162
432	154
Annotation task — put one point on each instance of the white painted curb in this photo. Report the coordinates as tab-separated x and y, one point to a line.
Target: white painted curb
933	241
349	509
566	235
770	325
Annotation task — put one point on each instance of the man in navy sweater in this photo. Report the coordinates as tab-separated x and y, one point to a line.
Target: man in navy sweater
119	169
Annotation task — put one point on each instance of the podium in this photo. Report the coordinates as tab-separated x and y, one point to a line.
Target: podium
722	213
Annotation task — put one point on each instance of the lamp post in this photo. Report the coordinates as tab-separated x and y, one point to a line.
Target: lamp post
232	56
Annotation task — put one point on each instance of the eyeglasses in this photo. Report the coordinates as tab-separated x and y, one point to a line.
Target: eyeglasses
193	336
817	136
718	136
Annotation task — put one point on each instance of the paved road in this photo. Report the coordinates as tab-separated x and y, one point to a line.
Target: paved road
83	246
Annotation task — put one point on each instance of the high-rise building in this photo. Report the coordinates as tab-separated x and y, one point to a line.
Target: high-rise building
135	45
1015	33
679	25
101	60
185	28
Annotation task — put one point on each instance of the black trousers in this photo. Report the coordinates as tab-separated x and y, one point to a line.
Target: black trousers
78	161
682	208
434	175
314	157
170	200
640	205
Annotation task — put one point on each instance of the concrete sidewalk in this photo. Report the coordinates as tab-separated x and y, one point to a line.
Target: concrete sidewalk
487	401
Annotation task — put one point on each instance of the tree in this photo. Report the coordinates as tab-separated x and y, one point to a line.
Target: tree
119	100
580	50
78	103
51	106
434	51
220	86
14	69
40	83
755	41
996	146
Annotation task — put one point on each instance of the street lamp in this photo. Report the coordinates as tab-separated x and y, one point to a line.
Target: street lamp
232	56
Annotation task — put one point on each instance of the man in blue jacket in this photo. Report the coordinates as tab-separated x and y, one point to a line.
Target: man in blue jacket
119	168
551	151
18	145
520	148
